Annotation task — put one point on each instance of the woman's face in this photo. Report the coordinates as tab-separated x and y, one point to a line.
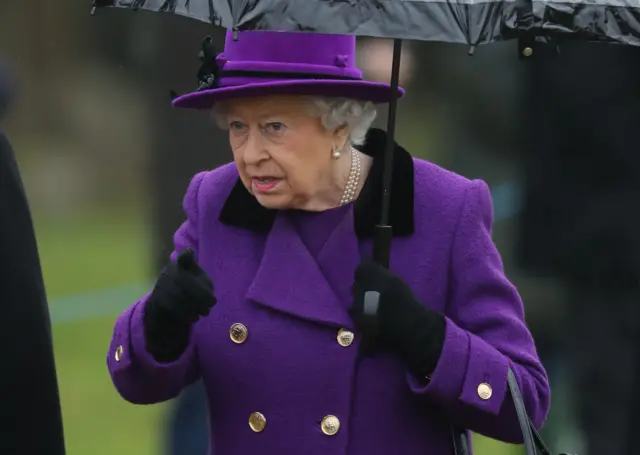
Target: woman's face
283	153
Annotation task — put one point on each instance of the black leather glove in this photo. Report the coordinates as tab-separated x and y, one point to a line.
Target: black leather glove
401	324
182	294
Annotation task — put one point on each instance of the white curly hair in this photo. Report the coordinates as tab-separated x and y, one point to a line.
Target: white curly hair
356	115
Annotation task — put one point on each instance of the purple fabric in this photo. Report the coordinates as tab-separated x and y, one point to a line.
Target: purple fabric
314	228
292	369
288	52
307	68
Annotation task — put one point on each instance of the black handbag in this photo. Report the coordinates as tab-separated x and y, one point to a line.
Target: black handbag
533	443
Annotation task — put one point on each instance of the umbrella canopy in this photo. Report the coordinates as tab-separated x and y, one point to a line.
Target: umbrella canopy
469	22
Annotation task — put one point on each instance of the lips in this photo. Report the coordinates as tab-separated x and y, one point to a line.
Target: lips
265	179
264	184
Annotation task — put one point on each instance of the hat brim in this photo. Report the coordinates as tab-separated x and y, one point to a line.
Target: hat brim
376	92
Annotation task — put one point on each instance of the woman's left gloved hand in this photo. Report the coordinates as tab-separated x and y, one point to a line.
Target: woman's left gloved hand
402	324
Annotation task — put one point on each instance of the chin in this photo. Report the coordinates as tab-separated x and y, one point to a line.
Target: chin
273	202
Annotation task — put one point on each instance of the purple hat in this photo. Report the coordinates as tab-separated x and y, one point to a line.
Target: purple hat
260	63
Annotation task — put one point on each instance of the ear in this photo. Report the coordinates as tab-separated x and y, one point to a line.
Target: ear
340	136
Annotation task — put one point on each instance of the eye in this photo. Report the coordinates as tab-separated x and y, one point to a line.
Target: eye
236	125
276	127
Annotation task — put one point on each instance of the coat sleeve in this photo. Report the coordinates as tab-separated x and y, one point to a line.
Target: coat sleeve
485	335
136	375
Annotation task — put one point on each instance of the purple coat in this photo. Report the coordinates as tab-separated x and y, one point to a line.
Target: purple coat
291	368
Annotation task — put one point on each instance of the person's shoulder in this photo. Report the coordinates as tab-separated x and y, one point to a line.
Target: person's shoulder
212	187
445	193
220	179
225	175
436	183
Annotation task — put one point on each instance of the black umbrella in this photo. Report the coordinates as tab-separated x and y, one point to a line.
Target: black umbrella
470	22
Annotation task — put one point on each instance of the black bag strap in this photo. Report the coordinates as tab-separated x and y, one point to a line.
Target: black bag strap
531	437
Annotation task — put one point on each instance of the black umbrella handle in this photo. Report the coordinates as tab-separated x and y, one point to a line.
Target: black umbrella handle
370	325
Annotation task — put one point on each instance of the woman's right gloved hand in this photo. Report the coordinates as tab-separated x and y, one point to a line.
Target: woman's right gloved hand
182	294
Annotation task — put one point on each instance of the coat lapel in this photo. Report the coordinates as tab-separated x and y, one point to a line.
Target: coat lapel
289	280
339	258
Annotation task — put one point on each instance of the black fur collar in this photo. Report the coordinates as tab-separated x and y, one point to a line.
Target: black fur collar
242	210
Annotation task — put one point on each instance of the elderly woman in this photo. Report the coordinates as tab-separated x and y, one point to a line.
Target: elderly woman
264	293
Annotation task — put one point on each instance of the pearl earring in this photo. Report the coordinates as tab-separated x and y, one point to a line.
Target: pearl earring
336	153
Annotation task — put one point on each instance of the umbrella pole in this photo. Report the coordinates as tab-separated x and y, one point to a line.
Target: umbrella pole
383	231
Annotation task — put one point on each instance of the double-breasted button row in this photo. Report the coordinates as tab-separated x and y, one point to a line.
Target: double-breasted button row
239	333
330	424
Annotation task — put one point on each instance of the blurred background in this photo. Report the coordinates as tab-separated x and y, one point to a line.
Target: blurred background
106	161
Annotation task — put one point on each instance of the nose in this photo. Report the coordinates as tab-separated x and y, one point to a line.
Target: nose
254	149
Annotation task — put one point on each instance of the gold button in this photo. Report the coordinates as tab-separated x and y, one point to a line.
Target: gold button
330	425
118	354
238	333
485	391
257	421
345	337
527	52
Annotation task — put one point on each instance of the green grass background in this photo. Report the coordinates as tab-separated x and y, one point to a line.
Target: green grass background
90	253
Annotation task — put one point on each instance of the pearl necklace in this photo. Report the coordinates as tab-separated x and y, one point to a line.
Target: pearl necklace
354	178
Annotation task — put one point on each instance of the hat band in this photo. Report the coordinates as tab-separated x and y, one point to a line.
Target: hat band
283	75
